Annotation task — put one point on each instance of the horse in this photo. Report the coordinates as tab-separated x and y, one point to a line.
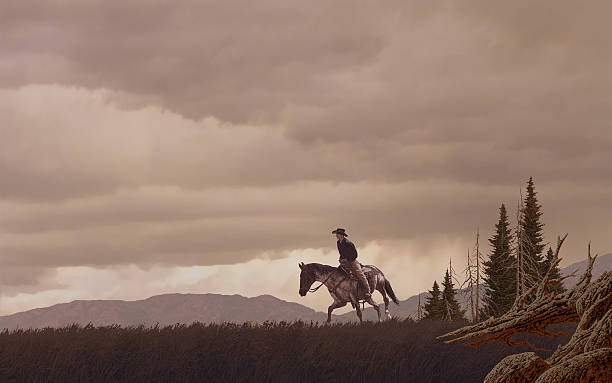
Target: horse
343	288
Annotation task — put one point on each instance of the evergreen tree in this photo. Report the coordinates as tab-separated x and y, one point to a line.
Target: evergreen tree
532	237
556	274
499	270
450	307
433	306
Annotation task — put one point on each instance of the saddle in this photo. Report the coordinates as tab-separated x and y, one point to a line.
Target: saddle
349	274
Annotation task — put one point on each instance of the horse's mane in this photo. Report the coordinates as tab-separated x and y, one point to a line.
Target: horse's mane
320	268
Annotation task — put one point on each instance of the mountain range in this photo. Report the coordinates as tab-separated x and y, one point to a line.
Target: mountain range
168	309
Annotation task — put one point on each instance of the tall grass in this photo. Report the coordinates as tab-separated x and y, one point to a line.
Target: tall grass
392	351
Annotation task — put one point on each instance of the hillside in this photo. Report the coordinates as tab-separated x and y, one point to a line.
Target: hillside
164	309
603	263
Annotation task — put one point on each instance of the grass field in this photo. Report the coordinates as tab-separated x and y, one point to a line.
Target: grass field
392	351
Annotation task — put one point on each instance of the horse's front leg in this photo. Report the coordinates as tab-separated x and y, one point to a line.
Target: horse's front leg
358	309
331	308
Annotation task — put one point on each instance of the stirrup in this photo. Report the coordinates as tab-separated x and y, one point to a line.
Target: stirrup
359	287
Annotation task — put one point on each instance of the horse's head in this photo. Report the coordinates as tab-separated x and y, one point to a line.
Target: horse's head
307	278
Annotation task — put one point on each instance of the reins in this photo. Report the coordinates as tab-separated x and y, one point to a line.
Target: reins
312	290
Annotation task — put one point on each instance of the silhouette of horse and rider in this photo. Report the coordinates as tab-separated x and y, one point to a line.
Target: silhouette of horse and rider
350	282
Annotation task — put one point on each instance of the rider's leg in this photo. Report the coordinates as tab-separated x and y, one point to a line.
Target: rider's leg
345	264
356	269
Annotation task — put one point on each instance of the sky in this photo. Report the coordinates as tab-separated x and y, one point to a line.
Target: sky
150	147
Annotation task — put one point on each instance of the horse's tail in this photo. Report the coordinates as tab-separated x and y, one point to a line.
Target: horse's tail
389	291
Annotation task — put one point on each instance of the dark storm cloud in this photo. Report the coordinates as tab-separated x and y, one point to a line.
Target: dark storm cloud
235	60
468	82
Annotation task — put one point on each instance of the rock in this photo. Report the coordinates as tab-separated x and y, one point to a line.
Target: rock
594	366
518	368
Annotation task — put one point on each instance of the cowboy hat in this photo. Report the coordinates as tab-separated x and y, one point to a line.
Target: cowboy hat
340	231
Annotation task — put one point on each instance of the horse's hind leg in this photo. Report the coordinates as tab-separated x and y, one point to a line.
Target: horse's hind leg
373	303
381	289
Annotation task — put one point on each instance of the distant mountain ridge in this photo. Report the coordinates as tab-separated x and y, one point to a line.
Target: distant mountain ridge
168	309
602	263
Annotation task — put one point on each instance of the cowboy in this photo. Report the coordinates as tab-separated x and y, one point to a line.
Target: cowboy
348	259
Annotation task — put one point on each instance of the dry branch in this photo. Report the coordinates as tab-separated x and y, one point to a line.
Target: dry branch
588	303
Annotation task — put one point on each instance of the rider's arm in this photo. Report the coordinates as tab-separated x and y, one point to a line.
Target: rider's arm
353	250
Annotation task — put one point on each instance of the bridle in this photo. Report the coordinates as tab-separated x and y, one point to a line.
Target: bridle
313	289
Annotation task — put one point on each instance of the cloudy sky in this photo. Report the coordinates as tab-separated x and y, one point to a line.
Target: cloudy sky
209	146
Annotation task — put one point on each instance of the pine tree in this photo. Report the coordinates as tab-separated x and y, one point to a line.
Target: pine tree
433	306
450	307
499	272
556	274
532	237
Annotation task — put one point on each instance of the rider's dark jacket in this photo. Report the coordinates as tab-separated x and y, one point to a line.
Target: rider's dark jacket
347	250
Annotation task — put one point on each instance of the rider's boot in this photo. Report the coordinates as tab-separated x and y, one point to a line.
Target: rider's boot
356	268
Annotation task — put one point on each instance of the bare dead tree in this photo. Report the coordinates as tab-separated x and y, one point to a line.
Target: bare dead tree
419	309
449	316
452	272
477	274
471	285
469	281
587	356
518	250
